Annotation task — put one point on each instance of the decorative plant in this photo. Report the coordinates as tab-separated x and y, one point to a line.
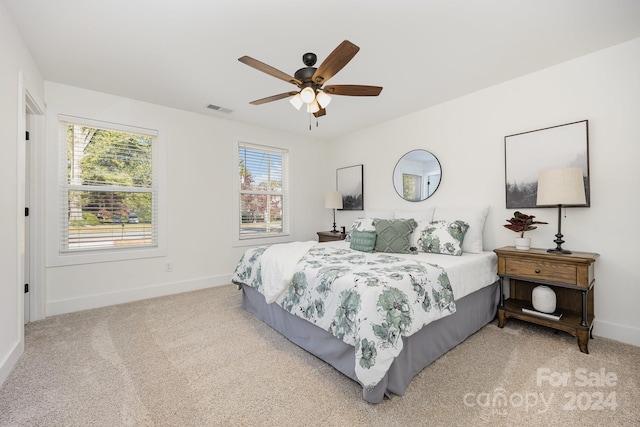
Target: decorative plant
522	222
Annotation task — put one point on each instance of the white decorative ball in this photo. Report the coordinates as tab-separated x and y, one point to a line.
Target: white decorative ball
543	299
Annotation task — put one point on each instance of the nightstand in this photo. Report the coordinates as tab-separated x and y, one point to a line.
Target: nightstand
330	236
571	276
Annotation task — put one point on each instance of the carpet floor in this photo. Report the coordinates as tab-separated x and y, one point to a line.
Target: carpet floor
198	359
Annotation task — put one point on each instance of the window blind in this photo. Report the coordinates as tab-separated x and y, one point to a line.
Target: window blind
108	190
264	191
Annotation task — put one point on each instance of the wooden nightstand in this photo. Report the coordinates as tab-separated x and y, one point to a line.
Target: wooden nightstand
330	236
571	276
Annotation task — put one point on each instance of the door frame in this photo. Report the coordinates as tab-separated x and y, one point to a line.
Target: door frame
34	165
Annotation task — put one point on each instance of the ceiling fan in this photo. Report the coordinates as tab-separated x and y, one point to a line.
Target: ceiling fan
310	80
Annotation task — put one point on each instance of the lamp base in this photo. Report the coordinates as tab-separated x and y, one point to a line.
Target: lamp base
335	230
558	249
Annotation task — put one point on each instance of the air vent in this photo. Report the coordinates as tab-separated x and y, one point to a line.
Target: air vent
218	108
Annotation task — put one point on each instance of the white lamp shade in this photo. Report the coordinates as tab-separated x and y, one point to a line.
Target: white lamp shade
333	200
308	94
564	186
297	102
313	107
323	99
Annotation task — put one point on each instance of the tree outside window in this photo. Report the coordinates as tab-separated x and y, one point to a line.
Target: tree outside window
109	191
262	191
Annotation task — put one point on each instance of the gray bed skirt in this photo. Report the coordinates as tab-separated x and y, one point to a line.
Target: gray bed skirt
420	349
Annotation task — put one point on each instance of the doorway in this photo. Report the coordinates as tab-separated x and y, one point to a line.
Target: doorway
33	196
27	228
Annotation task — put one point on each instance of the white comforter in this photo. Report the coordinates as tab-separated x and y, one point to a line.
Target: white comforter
278	264
369	301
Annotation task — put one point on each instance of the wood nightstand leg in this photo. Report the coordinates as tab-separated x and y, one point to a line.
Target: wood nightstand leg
583	322
501	318
583	341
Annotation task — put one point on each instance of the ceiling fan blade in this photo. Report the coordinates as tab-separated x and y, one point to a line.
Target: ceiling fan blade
273	98
320	113
353	90
336	60
268	69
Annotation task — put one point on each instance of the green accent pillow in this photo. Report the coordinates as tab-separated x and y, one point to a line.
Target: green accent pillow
443	237
364	241
360	224
393	235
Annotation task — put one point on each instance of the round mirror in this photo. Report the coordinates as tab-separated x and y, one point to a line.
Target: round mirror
417	175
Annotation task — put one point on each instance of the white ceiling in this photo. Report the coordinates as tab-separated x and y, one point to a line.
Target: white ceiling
183	53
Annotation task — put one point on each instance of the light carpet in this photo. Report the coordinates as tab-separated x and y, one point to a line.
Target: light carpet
198	359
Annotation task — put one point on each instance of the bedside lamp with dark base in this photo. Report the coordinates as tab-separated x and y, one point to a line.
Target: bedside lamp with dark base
561	187
333	200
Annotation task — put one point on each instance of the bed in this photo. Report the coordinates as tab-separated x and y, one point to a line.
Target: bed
377	317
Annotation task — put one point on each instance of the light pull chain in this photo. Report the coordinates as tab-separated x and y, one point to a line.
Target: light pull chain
311	114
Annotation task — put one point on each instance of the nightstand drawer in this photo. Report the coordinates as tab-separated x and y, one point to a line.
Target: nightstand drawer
539	270
330	236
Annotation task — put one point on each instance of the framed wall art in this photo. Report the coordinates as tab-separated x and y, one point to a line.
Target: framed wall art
528	153
349	182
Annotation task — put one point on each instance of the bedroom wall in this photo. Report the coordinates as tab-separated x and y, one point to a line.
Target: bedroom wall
14	59
467	136
200	165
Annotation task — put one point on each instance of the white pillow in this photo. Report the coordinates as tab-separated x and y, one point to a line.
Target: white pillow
418	215
372	213
474	216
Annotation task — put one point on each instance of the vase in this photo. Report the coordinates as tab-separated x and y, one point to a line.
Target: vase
543	299
523	243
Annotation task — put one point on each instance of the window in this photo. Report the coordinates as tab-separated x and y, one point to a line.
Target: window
108	187
263	189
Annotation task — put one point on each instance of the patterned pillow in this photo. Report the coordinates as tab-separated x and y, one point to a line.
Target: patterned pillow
443	237
364	241
393	235
360	224
474	216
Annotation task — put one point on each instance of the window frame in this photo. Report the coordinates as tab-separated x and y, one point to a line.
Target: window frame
251	240
56	255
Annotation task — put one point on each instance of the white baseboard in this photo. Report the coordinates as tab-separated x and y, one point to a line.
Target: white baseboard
10	361
614	331
120	297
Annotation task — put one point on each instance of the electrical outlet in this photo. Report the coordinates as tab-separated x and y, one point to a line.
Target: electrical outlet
168	267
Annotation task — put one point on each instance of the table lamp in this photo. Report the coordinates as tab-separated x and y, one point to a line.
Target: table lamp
561	187
333	200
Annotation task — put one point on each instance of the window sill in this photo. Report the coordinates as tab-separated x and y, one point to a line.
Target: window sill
262	241
77	258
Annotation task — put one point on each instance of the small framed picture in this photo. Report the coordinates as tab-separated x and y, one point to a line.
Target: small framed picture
349	183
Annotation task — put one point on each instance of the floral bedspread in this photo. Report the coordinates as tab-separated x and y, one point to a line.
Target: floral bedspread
368	300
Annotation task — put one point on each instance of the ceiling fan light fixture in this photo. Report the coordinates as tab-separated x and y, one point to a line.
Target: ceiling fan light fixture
297	102
313	107
309	80
308	94
323	99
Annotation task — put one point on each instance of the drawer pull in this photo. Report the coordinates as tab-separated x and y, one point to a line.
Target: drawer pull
537	271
